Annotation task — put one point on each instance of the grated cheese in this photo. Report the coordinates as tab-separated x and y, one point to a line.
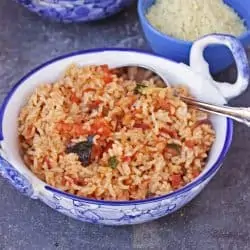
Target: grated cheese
191	19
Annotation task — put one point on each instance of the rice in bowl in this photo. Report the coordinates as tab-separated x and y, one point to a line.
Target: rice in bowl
96	134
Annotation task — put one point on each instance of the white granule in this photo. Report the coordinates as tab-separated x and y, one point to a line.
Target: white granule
191	19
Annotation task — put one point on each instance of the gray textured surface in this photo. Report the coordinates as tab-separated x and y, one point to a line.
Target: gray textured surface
218	218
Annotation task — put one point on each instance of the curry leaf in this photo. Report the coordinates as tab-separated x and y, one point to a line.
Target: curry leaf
113	162
83	150
175	147
138	89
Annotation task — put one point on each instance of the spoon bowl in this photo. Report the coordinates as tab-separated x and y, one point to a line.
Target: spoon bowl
141	73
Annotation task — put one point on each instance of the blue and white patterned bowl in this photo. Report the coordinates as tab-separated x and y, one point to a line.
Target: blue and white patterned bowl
75	10
201	85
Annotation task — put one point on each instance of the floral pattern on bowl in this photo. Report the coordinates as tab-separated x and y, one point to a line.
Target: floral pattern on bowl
75	10
15	178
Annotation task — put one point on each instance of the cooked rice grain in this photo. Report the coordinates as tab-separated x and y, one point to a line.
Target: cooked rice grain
158	144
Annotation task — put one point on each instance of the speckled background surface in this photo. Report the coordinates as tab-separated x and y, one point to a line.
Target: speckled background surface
219	218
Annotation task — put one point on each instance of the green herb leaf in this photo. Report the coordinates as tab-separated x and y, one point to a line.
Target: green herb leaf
113	162
138	89
175	147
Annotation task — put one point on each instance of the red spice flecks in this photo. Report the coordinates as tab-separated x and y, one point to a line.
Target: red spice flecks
176	180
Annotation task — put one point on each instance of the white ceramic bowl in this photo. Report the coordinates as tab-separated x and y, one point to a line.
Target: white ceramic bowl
118	213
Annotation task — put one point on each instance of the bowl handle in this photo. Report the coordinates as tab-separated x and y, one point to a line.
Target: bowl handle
198	63
14	177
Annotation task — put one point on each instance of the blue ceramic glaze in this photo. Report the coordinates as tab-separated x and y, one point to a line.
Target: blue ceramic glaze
218	57
75	10
15	178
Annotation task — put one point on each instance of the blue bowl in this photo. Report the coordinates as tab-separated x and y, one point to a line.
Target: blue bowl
75	10
218	57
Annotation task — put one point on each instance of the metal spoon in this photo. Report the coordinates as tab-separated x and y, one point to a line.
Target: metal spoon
142	72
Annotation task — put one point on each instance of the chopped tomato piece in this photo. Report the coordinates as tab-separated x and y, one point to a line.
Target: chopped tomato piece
78	130
176	180
133	157
107	78
63	181
29	135
76	181
164	104
108	146
195	172
96	152
63	127
126	159
75	99
105	68
101	127
142	125
88	90
190	143
94	104
106	131
73	129
47	161
170	132
72	180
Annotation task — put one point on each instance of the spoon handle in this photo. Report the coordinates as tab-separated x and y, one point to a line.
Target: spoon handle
239	114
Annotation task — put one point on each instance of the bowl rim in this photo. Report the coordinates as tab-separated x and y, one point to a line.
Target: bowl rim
143	18
179	192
